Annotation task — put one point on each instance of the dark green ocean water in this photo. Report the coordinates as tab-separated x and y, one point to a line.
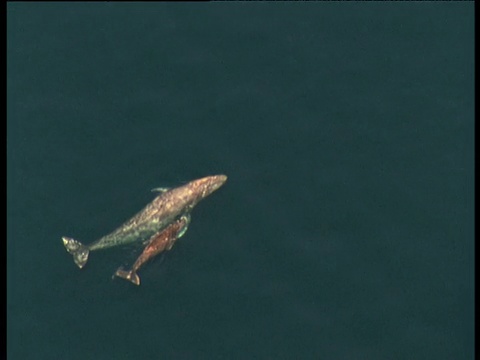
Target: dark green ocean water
345	230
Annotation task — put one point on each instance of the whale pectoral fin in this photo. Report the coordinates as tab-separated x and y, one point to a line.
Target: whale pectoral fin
170	244
186	217
160	189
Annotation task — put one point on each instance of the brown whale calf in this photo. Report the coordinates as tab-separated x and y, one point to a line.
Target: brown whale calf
159	242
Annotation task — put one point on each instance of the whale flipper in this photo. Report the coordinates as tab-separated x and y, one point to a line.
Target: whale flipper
160	189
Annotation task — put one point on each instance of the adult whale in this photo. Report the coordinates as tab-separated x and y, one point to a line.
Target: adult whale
163	210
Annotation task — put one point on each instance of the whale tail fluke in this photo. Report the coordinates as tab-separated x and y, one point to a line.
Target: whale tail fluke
129	275
78	250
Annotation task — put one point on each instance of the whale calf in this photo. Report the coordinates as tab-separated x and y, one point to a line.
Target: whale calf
159	242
